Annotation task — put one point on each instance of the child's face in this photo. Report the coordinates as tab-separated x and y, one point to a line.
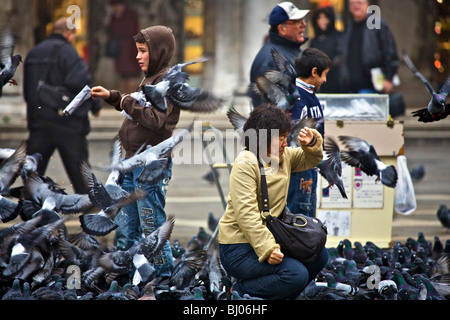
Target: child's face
317	80
143	56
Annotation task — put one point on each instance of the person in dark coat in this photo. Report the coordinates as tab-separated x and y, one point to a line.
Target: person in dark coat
48	128
328	40
366	47
123	25
286	35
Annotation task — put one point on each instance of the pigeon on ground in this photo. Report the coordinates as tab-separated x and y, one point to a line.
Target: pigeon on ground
11	167
28	250
331	167
179	93
8	61
278	86
444	216
110	198
436	109
363	155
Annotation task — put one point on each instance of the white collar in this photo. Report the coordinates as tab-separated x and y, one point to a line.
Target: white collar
305	86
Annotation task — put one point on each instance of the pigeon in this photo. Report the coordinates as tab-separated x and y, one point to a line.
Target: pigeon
436	109
417	173
52	201
388	290
110	198
444	216
331	167
11	167
154	242
151	154
363	155
26	250
297	126
8	209
174	88
8	62
278	86
237	120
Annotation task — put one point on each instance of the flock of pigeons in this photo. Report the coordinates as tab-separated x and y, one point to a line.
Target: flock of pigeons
39	260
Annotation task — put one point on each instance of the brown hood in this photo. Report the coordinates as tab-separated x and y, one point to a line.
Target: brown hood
161	45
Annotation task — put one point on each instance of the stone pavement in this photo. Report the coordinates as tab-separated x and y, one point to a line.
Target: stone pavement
191	198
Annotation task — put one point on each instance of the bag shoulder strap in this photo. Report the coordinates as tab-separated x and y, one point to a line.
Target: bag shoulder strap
52	59
264	191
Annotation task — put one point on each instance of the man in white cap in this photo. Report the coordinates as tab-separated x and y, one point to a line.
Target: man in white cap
287	27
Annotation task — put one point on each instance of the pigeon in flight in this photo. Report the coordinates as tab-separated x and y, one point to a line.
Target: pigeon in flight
11	167
363	155
297	126
331	167
110	198
53	202
436	109
278	86
8	209
151	154
8	62
179	93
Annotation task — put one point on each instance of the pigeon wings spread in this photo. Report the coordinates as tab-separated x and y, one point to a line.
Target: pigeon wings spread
436	109
179	93
363	155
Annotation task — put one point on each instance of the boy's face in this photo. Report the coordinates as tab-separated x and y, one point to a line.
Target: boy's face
143	56
318	80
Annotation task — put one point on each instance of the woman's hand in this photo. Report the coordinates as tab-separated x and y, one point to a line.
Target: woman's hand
305	136
275	257
100	92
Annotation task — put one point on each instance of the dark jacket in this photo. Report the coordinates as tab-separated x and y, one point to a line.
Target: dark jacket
69	71
378	50
264	61
329	42
148	125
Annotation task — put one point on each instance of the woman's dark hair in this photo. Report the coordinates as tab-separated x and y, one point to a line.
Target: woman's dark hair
265	120
311	58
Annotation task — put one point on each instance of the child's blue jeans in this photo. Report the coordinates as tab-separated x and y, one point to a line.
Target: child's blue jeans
302	192
145	216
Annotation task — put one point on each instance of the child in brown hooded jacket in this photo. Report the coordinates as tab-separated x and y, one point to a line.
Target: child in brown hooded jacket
145	126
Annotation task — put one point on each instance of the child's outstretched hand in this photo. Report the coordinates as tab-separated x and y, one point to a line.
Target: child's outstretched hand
100	92
305	136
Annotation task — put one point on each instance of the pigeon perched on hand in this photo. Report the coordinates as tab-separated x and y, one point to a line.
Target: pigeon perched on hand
363	155
436	109
331	167
179	93
8	62
278	86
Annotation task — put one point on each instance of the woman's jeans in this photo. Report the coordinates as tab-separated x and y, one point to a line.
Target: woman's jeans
261	279
141	218
302	192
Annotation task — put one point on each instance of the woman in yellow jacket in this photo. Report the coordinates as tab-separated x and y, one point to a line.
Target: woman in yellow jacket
248	250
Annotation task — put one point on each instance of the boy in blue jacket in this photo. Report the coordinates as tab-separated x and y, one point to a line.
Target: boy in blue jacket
312	66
